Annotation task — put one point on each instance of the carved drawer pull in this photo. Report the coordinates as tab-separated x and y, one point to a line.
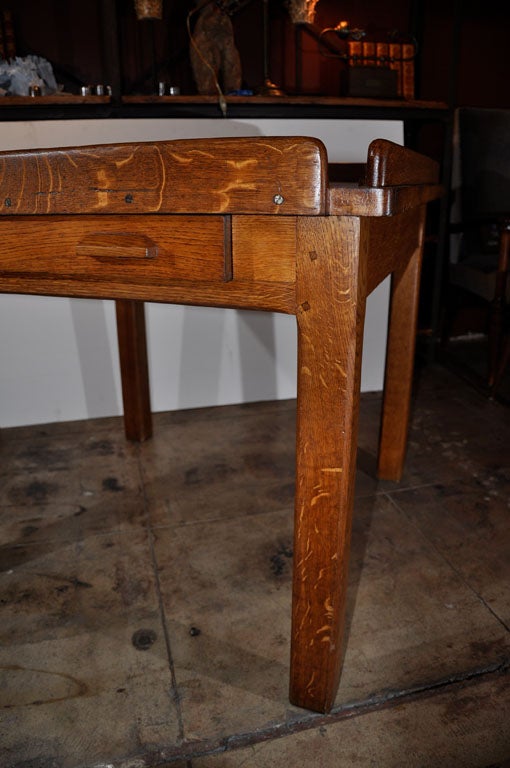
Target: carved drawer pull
117	245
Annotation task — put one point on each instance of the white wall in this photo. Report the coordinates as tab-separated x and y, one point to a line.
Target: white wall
58	357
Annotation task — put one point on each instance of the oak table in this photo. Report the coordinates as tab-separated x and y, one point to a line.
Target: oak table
248	223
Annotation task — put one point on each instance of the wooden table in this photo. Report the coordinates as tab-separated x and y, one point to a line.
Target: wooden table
244	223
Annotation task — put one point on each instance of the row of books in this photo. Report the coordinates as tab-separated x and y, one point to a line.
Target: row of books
397	56
7	40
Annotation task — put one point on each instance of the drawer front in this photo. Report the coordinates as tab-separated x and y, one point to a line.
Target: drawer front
129	250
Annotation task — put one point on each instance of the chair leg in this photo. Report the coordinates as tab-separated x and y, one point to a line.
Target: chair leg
330	317
134	369
399	368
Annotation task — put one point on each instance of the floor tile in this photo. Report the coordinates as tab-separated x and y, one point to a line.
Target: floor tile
244	461
449	442
76	688
471	532
465	729
226	590
412	620
145	593
61	486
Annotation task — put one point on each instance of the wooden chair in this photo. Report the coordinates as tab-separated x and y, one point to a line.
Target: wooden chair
248	223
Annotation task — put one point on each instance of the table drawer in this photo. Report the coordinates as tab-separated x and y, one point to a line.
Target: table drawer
148	250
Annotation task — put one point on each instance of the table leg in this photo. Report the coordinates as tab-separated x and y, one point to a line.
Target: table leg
134	369
330	315
405	289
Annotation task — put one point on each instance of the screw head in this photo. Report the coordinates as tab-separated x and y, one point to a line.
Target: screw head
278	199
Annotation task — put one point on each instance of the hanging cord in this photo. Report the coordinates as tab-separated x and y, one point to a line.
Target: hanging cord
221	98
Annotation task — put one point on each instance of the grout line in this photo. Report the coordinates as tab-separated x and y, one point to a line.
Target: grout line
386	700
242	516
277	510
387	491
166	633
491	610
404	488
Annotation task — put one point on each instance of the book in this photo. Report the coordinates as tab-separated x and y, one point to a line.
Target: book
368	51
354	51
9	41
408	70
382	54
395	54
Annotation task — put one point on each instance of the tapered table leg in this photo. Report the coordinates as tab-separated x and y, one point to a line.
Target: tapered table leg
330	315
134	369
401	345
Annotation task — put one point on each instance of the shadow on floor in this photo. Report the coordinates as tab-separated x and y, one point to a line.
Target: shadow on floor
146	588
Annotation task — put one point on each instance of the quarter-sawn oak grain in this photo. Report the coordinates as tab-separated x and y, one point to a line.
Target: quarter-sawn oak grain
249	223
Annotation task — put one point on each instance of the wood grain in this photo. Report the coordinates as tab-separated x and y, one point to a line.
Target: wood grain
393	240
331	271
352	200
264	248
200	176
261	295
398	381
117	246
134	369
73	248
390	165
248	223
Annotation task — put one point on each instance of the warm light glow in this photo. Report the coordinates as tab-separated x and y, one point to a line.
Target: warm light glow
302	11
149	9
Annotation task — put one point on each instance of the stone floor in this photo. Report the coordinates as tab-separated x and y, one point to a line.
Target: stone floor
467	356
145	594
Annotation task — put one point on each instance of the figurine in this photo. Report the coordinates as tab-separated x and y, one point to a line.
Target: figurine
213	51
